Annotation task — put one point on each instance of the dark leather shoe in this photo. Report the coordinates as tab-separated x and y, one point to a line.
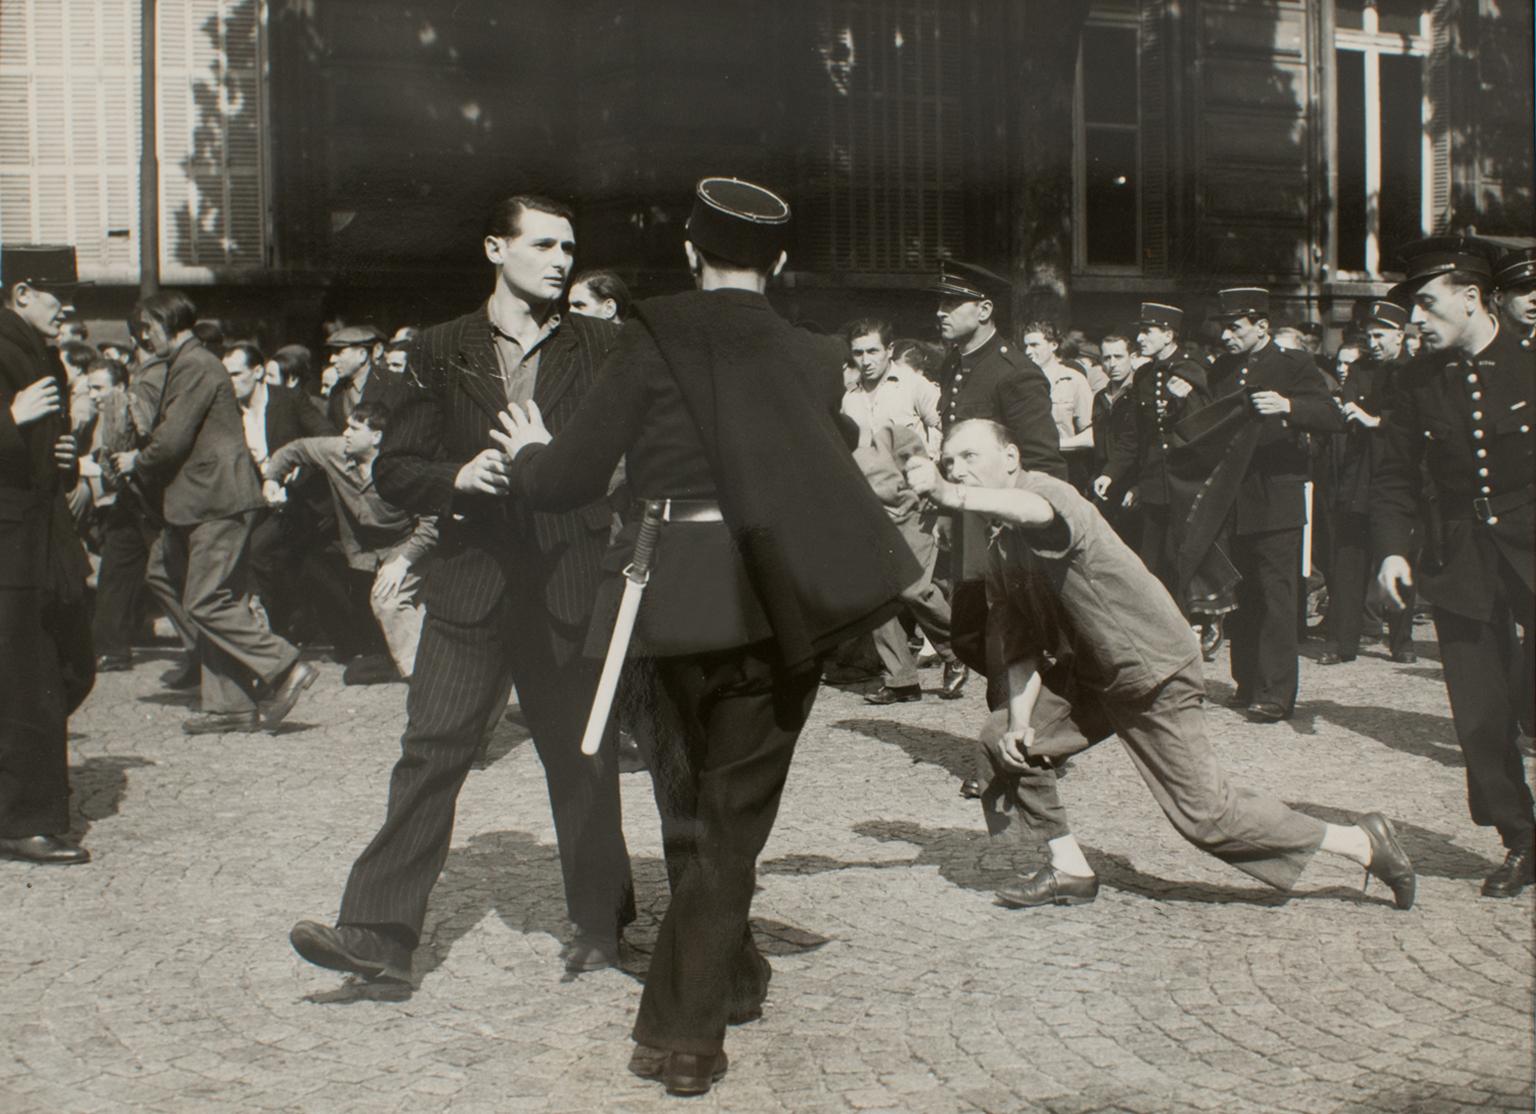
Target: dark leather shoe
221	723
45	850
1267	712
188	675
114	663
1516	872
683	1073
1211	638
358	951
1389	861
970	789
299	677
371	669
1049	886
955	676
1333	657
1239	700
1404	657
902	694
591	951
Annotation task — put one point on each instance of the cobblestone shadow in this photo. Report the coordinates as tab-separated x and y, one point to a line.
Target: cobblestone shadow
1421	734
97	786
945	749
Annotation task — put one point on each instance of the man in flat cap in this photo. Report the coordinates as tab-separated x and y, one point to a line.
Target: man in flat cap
1288	395
1365	398
507	601
727	416
357	376
1462	423
1514	292
46	662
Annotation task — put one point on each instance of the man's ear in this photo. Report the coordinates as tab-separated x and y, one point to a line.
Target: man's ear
694	262
985	309
493	249
778	265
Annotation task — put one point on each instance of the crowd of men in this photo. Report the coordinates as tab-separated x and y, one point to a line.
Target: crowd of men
1079	519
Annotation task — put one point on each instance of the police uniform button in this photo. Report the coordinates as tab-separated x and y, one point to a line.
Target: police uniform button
1487	490
1471	377
1493	520
1478	434
1477	415
1525	429
1482	453
1477	396
1482	471
1002	348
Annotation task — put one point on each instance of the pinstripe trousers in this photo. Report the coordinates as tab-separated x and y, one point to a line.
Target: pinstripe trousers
460	673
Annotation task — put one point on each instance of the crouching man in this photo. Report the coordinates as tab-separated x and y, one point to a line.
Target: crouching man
1094	645
379	540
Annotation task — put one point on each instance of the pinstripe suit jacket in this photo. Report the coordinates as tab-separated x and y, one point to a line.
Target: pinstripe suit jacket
444	419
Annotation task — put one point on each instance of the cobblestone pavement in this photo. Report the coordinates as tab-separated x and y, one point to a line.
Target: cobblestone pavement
160	977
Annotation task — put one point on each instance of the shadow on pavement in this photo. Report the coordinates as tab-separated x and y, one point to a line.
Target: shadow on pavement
964	857
944	749
97	786
1421	734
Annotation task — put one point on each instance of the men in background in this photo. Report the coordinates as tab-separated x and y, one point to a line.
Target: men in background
1514	292
72	330
1094	646
511	593
921	357
1365	398
600	294
351	357
1463	424
1071	400
46	662
725	414
1290	396
896	411
1114	412
380	541
1167	389
196	452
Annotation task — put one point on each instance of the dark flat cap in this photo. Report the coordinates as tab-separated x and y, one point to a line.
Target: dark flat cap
1242	301
1440	255
970	281
740	222
44	266
354	334
1515	268
1162	315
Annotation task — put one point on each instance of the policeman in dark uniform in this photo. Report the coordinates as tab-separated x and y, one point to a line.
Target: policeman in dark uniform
1291	395
1464	417
1166	390
1364	400
1514	291
726	418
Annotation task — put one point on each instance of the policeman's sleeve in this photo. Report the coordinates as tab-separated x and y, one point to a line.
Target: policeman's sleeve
1024	404
1312	405
11	442
575	467
1395	479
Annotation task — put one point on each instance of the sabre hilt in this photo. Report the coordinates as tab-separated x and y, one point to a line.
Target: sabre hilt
639	567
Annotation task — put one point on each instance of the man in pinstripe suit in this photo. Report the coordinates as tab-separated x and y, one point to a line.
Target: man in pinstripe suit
510	592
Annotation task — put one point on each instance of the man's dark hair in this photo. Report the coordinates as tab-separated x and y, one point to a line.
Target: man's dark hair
919	355
1112	338
1047	329
112	367
172	310
252	354
1483	283
374	415
506	218
76	354
868	326
606	284
211	333
294	362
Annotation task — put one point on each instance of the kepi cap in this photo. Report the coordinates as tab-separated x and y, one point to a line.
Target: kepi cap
1162	315
44	266
971	282
1242	301
365	335
1440	255
1515	268
738	221
1380	311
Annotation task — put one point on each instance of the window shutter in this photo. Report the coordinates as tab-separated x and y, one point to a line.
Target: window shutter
1438	204
1154	136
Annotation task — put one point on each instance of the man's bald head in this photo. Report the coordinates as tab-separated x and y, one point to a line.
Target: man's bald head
980	453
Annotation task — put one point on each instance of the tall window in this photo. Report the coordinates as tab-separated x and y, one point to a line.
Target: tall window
884	190
1381	110
1108	151
69	133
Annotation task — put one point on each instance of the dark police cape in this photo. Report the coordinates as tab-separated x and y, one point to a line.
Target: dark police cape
807	557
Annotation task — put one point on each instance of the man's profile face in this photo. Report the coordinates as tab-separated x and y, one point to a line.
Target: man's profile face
973	457
959	318
152	337
1445	312
1152	339
1384	343
1519	304
1117	360
349	360
871	357
1243	334
535	263
588	304
42	309
358	439
242	376
1039	349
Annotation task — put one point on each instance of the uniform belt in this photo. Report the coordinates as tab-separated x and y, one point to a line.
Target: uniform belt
1486	508
685	510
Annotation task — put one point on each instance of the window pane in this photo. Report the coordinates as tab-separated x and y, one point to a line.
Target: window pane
1402	151
1349	14
1109	75
1399	17
1110	158
1350	123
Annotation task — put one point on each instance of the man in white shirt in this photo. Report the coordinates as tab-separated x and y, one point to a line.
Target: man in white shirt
887	393
1071	400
